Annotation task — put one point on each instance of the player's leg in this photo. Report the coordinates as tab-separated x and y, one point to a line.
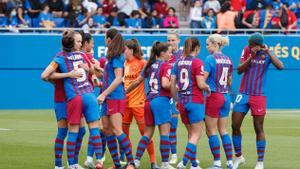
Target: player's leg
173	137
126	122
62	131
222	127
80	136
138	113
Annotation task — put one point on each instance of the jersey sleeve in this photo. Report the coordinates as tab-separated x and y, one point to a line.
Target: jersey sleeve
198	67
245	54
208	64
54	65
58	61
166	71
118	62
174	70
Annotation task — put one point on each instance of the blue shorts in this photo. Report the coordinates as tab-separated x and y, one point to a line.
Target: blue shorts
60	110
244	102
157	111
90	107
191	112
173	107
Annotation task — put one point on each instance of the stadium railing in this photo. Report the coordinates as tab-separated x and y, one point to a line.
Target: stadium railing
13	30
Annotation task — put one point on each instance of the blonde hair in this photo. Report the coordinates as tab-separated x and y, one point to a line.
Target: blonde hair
218	39
173	32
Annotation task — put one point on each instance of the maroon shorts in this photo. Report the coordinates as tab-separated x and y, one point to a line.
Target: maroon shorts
74	110
115	106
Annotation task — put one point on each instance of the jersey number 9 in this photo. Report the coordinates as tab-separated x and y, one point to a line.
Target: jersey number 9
184	79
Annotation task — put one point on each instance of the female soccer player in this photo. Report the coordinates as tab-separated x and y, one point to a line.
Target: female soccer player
157	106
79	94
254	63
174	40
135	100
188	75
218	75
113	97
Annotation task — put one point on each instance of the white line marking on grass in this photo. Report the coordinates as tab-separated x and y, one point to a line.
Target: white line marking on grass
3	129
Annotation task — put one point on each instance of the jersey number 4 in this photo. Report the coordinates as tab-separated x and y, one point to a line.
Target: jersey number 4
224	77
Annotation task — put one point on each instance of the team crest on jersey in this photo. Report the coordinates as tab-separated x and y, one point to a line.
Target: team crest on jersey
133	68
263	56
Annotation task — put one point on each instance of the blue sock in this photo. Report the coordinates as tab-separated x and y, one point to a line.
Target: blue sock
103	138
164	148
214	145
237	143
173	138
90	149
125	146
227	146
144	141
193	148
188	154
59	145
97	142
260	147
113	148
71	145
80	136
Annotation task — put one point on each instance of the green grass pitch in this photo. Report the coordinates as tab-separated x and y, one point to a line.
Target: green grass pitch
28	141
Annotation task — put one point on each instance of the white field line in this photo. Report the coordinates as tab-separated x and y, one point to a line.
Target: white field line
3	129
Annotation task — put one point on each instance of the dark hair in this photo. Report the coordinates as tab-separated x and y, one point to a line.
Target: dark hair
114	9
171	8
86	37
225	7
67	41
190	45
136	47
156	50
135	12
116	46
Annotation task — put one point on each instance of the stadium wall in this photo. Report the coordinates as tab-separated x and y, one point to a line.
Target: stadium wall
24	56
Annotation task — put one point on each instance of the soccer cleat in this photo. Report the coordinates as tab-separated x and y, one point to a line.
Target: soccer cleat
73	166
173	159
78	166
229	164
259	165
137	164
166	165
89	164
123	162
198	162
99	164
181	166
58	167
154	166
238	161
215	167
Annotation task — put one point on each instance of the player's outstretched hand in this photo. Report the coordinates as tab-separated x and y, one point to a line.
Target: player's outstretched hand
101	99
75	74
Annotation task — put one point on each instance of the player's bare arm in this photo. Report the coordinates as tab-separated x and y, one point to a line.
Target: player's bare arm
135	84
202	84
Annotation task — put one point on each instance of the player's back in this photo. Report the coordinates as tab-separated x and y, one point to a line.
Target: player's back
74	86
219	67
157	70
186	69
175	57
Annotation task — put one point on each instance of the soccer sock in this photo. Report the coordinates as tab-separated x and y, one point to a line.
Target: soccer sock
261	147
188	154
97	142
214	146
103	138
193	148
227	146
59	145
80	136
237	143
125	146
150	146
90	149
164	148
113	149
173	137
71	144
144	141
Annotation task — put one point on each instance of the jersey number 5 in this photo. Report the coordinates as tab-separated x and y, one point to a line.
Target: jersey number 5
184	78
224	77
79	70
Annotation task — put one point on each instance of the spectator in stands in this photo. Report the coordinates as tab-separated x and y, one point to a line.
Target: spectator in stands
46	18
113	18
265	17
185	6
157	20
3	13
90	6
276	4
90	24
56	7
99	18
212	4
249	20
196	15
73	10
23	18
107	6
256	4
149	21
171	20
162	8
226	19
209	21
13	18
125	8
135	21
285	20
238	5
33	8
83	17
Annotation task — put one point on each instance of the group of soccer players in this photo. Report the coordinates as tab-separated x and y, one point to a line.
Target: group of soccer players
154	92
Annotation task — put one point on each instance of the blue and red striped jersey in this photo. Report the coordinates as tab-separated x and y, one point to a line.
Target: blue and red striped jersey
109	76
254	79
186	69
71	61
175	57
219	67
157	71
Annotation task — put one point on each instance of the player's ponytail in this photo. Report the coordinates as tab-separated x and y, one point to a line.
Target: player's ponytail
190	45
219	40
134	45
67	41
116	46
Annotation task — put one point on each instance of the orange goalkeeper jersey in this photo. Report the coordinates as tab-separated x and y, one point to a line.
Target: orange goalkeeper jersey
133	68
